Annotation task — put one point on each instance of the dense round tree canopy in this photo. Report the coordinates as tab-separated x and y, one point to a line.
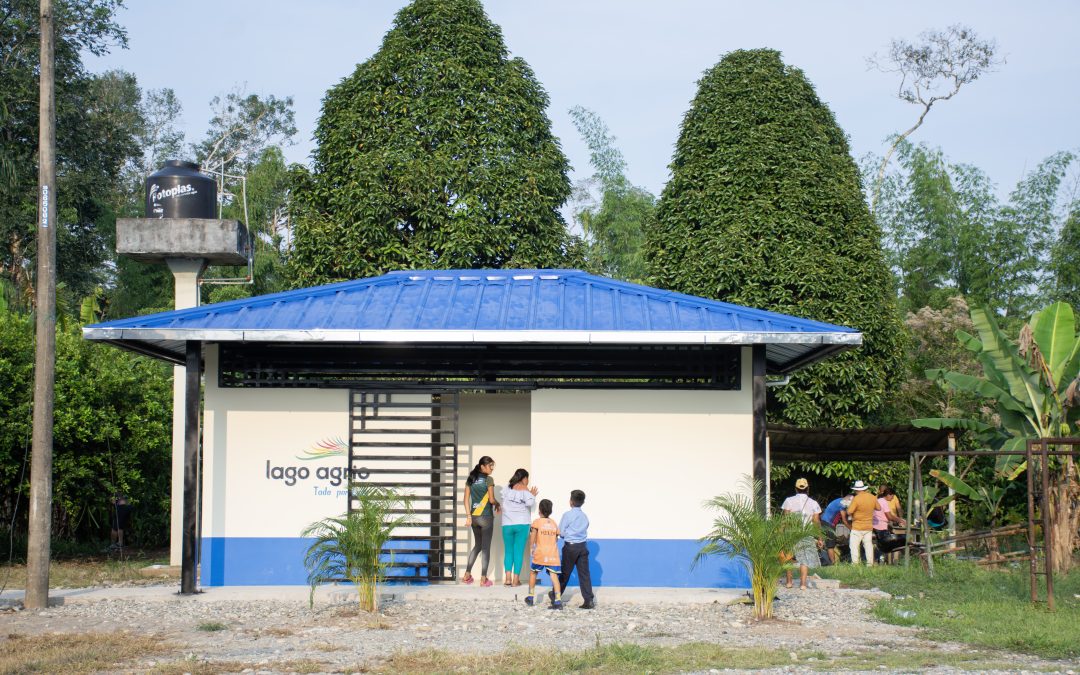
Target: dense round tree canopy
435	153
765	208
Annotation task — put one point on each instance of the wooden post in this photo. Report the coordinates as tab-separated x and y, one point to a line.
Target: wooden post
922	516
190	546
1034	563
38	551
952	492
1048	533
910	507
759	452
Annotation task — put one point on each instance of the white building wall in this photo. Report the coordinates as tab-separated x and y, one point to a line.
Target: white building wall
496	425
261	473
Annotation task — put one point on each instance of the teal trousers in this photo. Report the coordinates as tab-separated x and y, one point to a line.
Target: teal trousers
515	537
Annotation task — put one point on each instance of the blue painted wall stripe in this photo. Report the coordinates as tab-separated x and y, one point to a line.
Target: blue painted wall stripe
271	561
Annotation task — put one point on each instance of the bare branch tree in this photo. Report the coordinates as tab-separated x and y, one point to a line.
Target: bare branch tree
932	70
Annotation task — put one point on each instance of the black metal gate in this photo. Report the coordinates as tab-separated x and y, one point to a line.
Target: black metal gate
408	440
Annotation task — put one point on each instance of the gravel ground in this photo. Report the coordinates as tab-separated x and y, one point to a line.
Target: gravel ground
263	632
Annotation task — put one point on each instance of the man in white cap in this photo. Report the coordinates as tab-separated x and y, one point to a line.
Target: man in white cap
806	551
861	513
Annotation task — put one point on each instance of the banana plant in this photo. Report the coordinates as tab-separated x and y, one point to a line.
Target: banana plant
988	497
1033	383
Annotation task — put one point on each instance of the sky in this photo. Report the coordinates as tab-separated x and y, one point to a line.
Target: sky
636	64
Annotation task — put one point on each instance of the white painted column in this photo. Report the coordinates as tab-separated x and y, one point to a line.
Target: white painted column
186	273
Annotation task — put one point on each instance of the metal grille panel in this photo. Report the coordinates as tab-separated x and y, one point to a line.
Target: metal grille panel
407	440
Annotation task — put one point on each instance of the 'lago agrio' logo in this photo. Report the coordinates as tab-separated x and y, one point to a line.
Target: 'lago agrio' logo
329	447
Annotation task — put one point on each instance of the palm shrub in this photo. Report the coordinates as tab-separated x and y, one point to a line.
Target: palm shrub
742	533
351	546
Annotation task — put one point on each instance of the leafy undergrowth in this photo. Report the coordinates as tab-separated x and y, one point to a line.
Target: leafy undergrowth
965	603
634	658
75	652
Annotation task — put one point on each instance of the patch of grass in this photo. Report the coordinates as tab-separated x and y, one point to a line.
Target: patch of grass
196	667
89	571
635	658
326	647
211	626
277	631
963	602
74	653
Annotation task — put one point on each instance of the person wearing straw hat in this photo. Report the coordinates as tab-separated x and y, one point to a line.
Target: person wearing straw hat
806	551
861	513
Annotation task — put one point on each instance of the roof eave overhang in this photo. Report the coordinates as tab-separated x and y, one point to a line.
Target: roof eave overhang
152	341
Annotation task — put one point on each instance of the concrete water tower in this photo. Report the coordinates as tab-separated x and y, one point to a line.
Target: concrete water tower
182	230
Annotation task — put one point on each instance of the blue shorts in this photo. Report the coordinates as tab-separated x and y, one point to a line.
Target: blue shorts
550	569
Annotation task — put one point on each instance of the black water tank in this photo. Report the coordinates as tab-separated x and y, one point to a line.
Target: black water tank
178	190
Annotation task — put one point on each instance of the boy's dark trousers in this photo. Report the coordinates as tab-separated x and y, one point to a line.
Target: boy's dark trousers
577	556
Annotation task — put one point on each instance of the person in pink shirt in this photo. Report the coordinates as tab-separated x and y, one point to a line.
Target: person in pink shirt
884	518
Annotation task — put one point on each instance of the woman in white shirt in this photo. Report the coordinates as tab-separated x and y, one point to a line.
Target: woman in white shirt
517	503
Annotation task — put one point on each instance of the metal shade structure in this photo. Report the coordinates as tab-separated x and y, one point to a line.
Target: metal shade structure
483	307
880	444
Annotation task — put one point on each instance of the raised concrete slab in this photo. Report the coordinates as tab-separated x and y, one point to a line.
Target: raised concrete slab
155	240
341	593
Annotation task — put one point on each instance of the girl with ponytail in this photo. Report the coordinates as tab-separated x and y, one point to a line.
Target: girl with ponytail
480	506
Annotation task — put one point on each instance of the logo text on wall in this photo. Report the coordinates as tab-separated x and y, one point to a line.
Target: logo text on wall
334	476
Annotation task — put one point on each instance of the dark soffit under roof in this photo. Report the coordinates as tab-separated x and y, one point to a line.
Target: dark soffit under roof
881	444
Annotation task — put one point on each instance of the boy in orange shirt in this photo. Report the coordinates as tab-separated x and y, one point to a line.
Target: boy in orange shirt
543	538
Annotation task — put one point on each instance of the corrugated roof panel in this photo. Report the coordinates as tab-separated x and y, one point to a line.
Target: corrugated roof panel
433	311
661	314
466	305
547	312
689	317
574	308
518	305
602	308
406	306
320	310
492	305
632	312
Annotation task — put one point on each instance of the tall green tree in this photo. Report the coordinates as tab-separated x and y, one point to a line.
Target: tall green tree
765	208
931	71
948	233
611	211
1065	261
435	152
94	139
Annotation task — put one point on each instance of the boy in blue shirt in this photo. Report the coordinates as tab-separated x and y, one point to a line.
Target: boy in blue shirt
574	530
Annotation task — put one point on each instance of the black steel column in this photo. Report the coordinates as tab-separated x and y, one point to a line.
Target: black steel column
191	467
760	473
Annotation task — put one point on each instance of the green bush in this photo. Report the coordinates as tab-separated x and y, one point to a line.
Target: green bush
111	433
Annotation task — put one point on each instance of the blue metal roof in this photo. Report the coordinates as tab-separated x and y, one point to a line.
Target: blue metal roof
499	306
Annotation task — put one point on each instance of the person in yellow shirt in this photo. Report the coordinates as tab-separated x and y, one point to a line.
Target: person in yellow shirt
861	512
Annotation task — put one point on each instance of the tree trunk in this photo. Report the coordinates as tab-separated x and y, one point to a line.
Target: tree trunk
1064	504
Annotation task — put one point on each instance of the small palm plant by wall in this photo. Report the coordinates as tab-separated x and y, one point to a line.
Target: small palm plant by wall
351	546
761	543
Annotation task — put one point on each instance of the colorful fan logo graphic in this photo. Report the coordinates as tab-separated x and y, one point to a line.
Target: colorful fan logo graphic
330	447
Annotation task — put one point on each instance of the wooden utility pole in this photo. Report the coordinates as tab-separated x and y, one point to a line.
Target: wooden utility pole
38	547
